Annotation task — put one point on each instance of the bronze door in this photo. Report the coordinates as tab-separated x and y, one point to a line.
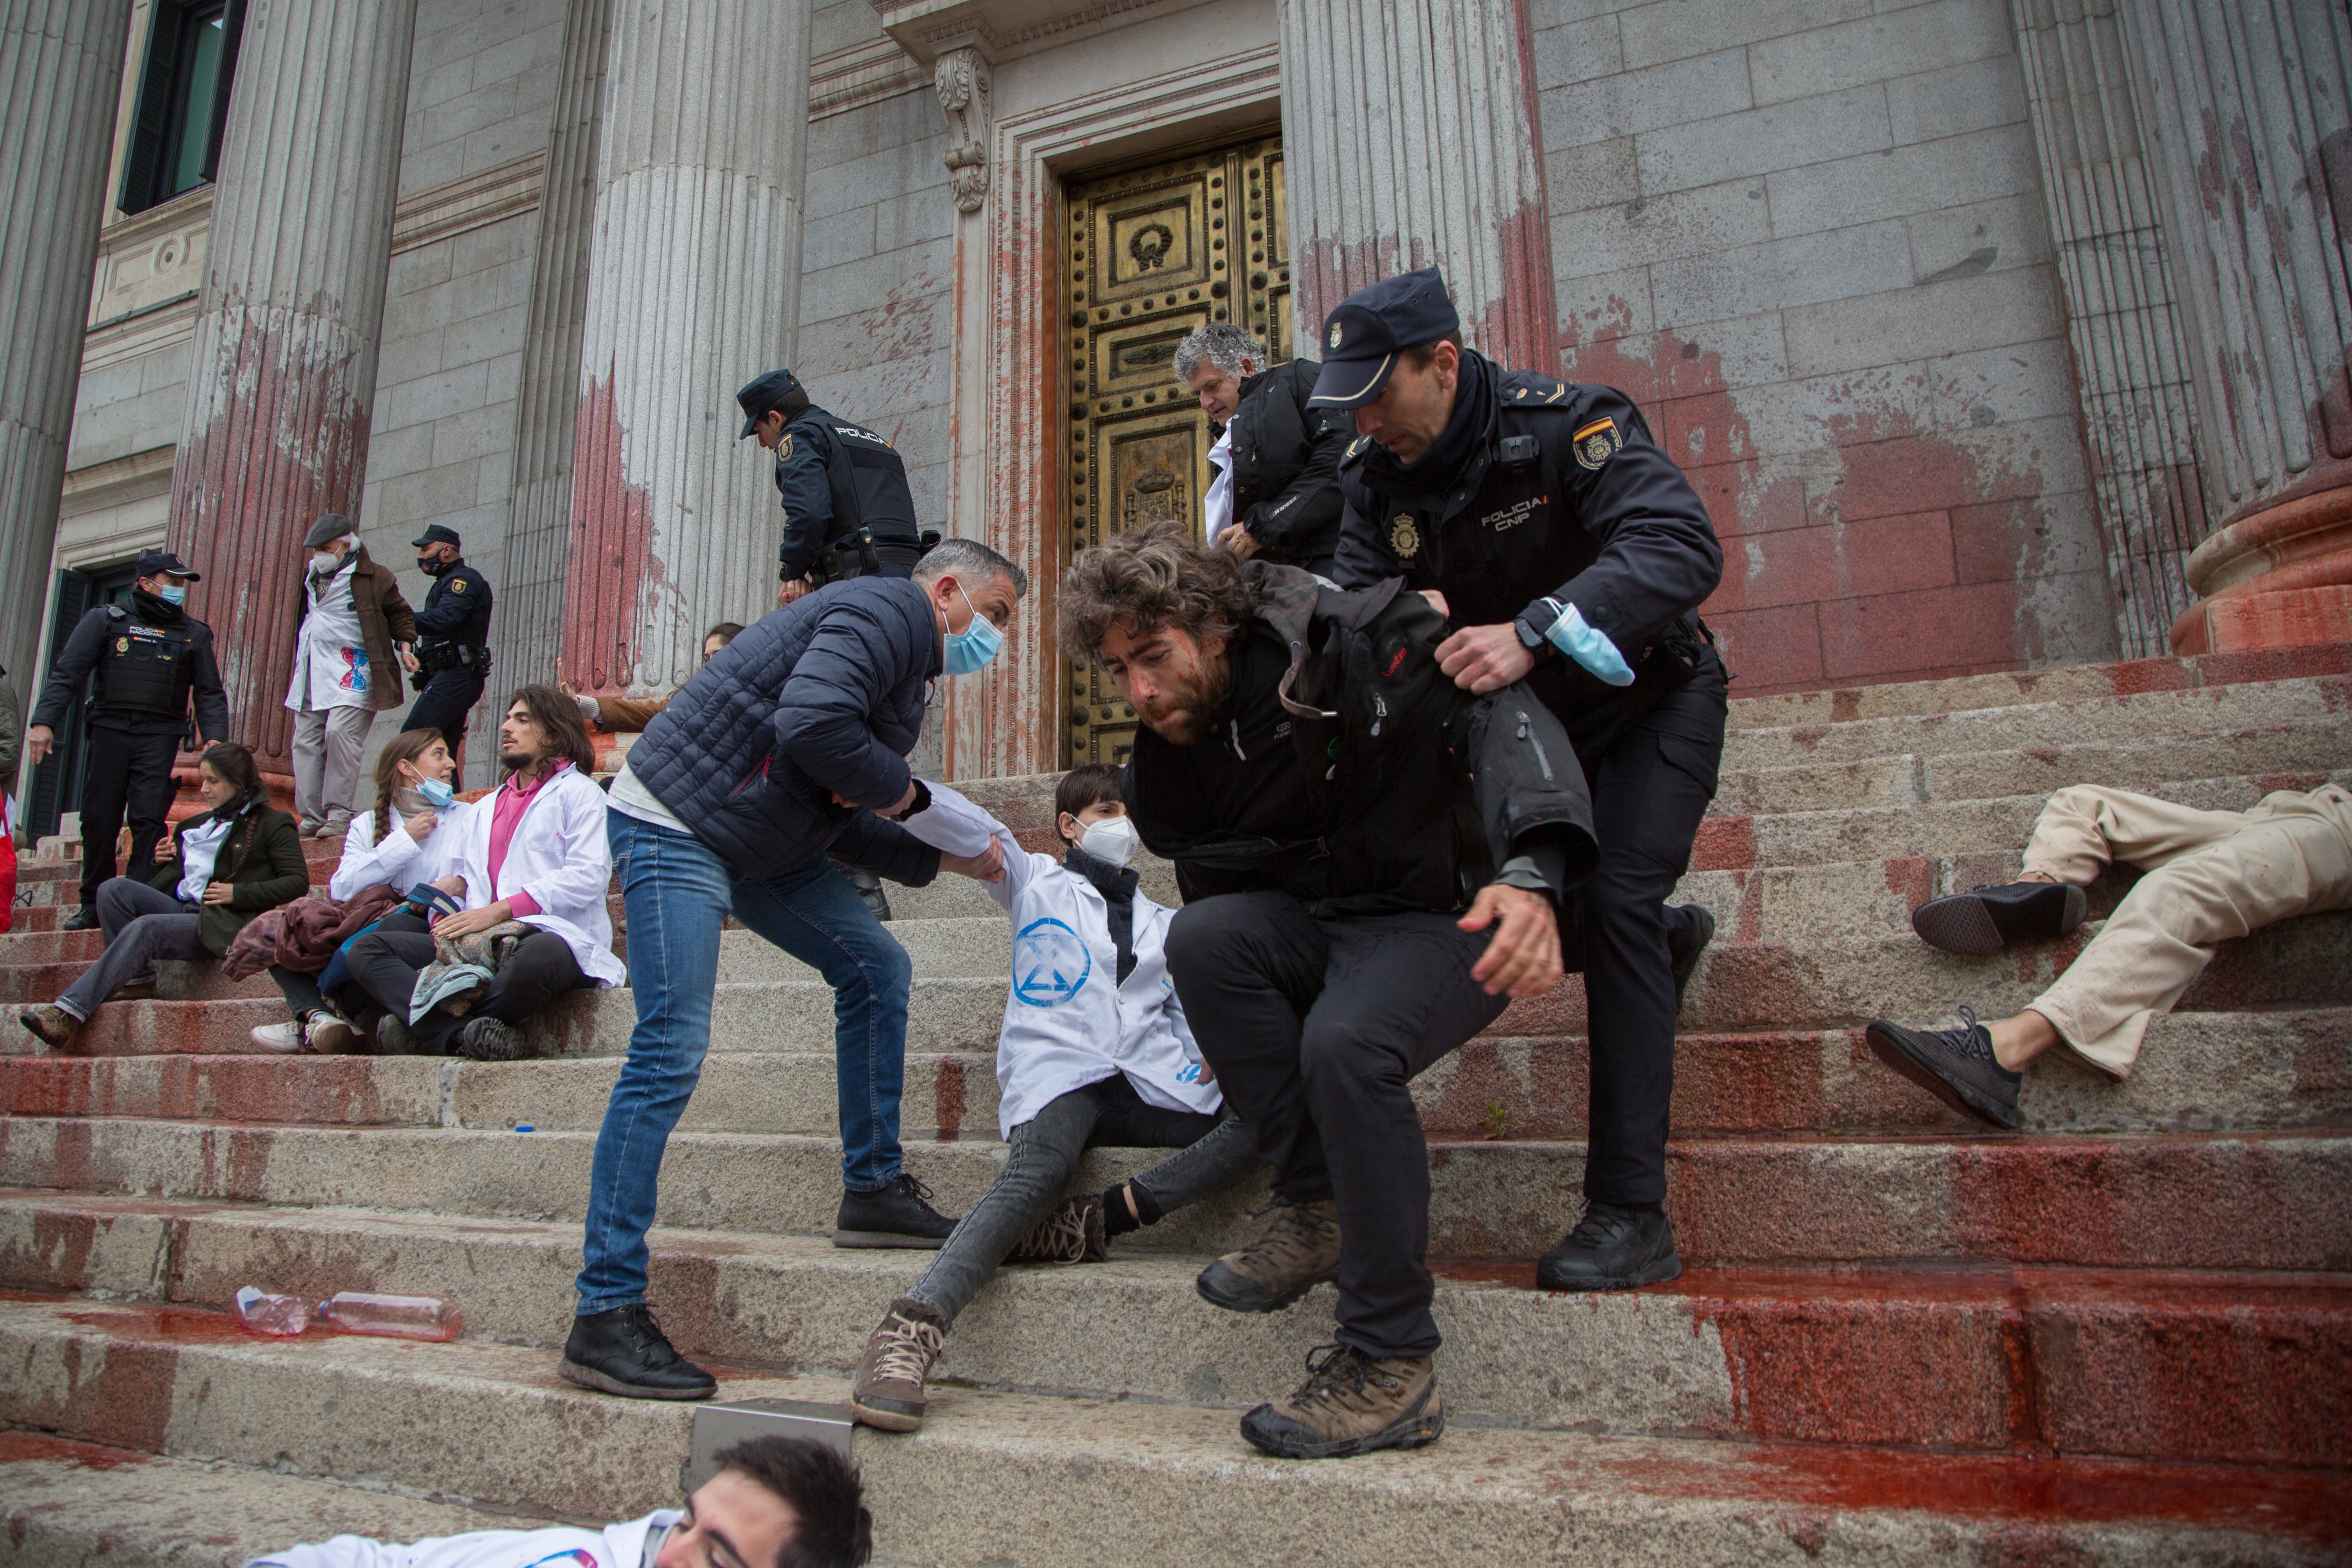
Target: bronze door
1154	254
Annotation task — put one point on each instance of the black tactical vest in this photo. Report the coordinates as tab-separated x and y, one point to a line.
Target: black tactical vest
868	478
143	668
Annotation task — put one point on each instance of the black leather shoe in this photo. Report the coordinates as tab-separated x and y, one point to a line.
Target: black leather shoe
1615	1247
899	1215
624	1352
82	919
1702	932
1989	919
1956	1065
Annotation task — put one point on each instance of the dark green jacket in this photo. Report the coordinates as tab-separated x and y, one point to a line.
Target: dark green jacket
262	858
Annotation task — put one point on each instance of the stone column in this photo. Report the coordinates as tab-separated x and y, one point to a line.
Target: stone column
60	71
1409	130
2245	111
527	629
281	376
693	288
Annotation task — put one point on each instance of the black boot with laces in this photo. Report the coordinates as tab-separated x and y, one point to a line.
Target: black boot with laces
1615	1247
624	1352
899	1215
1956	1065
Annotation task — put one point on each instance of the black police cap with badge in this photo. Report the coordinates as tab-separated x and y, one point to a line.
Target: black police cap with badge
163	563
778	389
1365	334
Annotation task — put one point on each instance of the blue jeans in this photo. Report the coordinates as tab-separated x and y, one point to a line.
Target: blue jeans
676	891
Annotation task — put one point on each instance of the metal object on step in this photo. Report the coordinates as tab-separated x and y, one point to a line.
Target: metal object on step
721	1426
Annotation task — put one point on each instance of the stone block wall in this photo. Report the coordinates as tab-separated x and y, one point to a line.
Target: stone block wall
1807	238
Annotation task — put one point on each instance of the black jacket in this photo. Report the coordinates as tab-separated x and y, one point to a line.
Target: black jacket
823	696
833	477
114	637
261	858
457	608
1286	464
1345	768
1592	514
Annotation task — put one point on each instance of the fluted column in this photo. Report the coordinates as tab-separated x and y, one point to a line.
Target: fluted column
1409	131
60	70
528	630
2245	108
693	288
281	376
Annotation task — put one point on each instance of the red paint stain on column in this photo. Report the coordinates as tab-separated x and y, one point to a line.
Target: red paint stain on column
612	561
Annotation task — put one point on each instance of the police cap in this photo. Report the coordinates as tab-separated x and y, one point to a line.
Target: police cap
161	562
778	389
437	534
1365	332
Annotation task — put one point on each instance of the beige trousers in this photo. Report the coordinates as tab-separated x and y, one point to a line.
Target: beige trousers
2211	875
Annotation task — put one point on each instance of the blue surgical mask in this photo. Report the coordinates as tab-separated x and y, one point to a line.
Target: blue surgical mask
973	646
436	793
172	595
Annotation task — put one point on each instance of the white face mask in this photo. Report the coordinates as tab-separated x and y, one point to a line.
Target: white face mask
324	561
1111	841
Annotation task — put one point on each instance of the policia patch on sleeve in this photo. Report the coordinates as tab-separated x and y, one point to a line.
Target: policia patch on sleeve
458	587
1597	443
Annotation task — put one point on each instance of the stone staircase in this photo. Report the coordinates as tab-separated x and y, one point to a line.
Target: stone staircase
2123	1336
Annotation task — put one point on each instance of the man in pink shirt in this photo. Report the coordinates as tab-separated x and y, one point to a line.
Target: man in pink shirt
534	852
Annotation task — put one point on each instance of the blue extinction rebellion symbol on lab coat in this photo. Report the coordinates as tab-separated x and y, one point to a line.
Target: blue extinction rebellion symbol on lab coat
1050	964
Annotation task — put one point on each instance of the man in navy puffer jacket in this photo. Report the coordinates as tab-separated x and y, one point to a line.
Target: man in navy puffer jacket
787	750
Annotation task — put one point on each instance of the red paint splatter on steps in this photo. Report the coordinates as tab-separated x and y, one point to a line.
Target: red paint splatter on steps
950	1094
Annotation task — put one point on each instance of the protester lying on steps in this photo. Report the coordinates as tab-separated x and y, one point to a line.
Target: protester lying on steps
629	715
786	750
533	852
391	845
1094	1050
776	1502
2212	876
216	872
1342	930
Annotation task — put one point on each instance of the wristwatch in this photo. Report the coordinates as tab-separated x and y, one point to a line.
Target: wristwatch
1537	619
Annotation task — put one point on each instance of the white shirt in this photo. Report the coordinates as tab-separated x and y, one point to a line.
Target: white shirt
631	798
330	658
558	854
1069	1020
199	851
400	862
615	1546
1217	506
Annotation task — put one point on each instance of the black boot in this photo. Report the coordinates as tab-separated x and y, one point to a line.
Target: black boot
899	1215
1614	1246
82	919
1989	919
869	889
624	1352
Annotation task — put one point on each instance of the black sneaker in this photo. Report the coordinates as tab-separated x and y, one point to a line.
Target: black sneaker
488	1039
393	1037
82	919
1615	1247
899	1215
1956	1065
624	1352
1989	919
1702	924
869	890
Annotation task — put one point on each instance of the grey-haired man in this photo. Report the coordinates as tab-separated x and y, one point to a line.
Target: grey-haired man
1276	493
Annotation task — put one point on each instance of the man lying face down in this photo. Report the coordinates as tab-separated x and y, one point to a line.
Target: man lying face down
1372	861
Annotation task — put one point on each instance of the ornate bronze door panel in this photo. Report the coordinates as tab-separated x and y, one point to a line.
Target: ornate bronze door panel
1154	254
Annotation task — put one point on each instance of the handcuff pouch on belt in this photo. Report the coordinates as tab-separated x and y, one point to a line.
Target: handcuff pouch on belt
863	555
431	659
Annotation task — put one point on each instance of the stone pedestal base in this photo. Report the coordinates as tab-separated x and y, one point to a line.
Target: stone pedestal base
2277	576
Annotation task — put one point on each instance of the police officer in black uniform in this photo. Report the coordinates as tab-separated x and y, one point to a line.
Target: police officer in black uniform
452	660
148	658
1570	553
847	512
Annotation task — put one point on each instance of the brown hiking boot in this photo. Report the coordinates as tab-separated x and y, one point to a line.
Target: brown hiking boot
52	1024
888	1393
1351	1404
1298	1251
1071	1234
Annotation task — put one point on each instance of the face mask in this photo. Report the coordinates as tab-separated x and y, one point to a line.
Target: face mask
436	793
323	562
172	595
1111	841
433	565
973	646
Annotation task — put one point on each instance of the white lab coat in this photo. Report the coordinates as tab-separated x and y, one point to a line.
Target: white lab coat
566	1546
1068	1020
559	855
399	862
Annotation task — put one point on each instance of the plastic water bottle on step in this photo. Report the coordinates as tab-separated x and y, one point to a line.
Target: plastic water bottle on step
279	1317
395	1317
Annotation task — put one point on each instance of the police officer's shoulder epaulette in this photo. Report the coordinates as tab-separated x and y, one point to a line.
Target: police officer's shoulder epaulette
1530	390
116	613
1356	450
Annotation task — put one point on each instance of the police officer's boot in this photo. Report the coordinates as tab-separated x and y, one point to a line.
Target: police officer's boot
1615	1247
82	919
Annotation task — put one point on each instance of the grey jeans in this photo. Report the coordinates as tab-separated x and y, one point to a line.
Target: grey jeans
1045	1150
141	925
328	743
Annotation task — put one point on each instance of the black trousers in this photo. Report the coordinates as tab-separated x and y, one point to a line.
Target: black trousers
449	695
385	963
1649	791
1314	1028
125	771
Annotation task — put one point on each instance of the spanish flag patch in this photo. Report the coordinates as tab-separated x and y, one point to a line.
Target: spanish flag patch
1597	443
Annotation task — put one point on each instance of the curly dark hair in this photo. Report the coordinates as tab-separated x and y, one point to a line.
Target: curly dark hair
1157	575
558	717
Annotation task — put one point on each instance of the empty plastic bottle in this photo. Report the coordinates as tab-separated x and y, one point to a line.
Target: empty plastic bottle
395	1317
280	1317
